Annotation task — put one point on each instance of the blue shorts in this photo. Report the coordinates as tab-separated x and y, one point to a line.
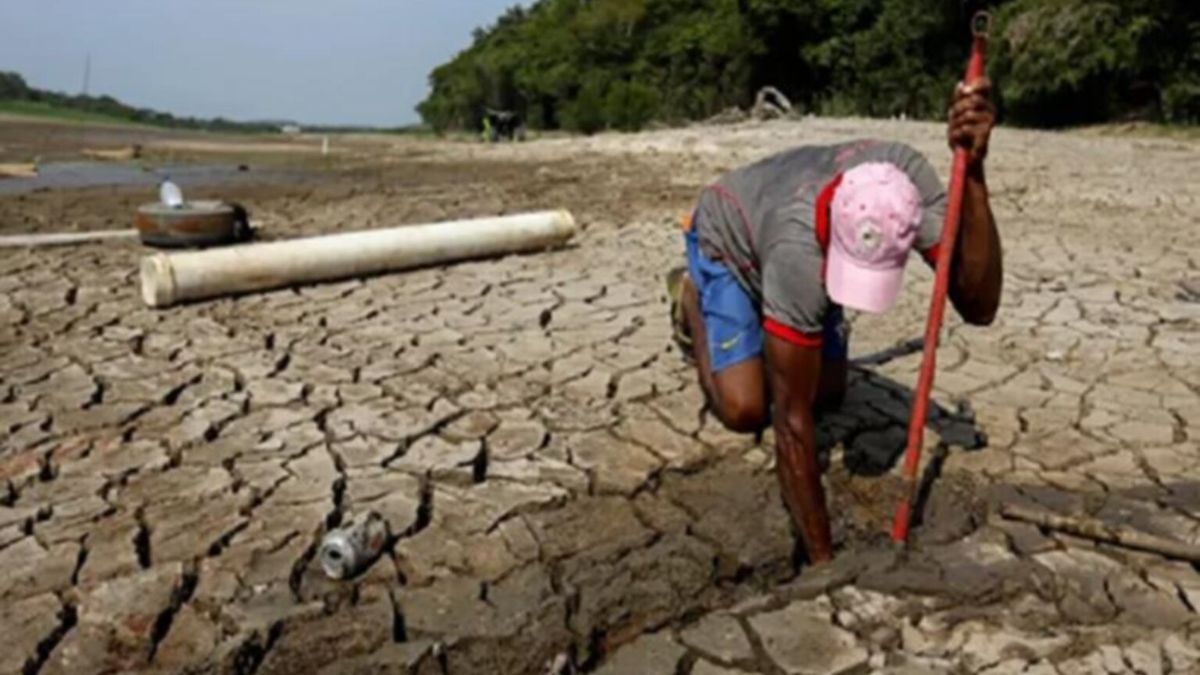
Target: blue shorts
733	321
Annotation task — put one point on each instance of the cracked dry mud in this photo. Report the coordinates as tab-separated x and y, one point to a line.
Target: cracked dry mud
558	499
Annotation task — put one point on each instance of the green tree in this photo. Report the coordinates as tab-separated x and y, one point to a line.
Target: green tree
12	86
594	64
1080	61
586	112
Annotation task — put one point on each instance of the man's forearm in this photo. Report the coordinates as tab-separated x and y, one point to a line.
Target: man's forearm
794	373
800	479
978	262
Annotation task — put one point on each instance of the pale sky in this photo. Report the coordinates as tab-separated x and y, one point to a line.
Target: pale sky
316	61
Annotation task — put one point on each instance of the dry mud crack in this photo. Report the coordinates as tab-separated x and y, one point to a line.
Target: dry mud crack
558	498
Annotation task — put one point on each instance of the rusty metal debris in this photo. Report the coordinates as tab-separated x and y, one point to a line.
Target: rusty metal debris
198	223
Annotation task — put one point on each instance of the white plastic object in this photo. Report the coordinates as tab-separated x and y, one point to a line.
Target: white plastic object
176	277
170	194
63	238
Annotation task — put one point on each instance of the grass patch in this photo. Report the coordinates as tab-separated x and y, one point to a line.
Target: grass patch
48	111
416	130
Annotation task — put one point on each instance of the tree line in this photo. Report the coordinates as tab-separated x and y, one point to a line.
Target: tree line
588	65
14	88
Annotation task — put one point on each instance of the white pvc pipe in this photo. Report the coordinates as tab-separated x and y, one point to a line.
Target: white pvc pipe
64	238
177	277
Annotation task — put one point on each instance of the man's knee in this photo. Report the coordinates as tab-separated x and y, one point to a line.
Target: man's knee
740	396
743	412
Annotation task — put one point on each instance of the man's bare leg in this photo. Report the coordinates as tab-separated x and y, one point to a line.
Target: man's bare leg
738	398
737	394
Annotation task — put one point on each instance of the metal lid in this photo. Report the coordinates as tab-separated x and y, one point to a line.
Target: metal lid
198	223
196	208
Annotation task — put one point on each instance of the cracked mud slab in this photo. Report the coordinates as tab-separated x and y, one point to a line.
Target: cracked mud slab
558	497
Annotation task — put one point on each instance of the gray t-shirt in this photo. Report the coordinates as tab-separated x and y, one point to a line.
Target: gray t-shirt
760	222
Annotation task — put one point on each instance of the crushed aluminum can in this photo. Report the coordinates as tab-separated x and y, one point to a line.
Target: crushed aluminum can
353	547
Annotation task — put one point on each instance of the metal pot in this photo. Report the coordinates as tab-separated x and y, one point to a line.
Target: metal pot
194	224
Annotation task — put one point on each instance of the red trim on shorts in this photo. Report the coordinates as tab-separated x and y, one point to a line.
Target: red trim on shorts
789	334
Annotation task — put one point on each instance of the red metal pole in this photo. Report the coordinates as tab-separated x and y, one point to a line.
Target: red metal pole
937	306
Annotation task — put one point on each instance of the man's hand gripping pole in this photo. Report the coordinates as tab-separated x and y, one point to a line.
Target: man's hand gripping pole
937	308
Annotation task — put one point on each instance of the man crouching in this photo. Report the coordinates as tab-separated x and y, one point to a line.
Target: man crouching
776	249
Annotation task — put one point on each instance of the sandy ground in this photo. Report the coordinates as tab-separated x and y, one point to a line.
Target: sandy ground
557	498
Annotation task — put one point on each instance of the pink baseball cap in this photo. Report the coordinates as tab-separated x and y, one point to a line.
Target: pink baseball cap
873	221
